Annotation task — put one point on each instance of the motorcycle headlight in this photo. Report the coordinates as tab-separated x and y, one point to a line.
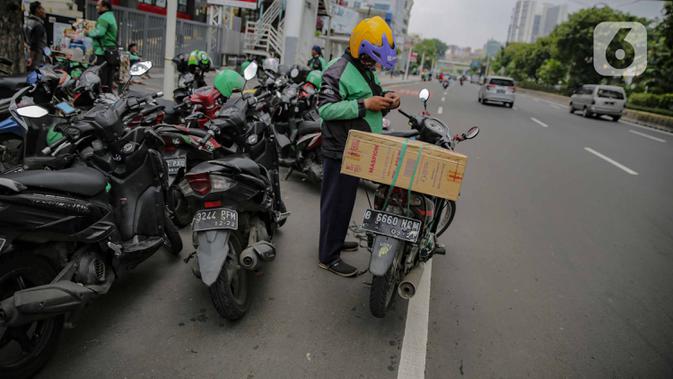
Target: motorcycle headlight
220	183
252	139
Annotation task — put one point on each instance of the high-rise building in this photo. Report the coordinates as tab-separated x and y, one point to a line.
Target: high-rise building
532	19
491	48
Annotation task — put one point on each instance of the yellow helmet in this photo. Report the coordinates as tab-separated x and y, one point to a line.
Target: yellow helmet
373	37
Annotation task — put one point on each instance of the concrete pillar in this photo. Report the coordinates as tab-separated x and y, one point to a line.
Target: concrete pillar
169	69
294	16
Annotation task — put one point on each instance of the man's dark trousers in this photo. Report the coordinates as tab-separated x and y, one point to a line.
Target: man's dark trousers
106	73
337	198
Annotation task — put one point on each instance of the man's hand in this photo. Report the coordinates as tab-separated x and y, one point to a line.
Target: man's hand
395	98
378	103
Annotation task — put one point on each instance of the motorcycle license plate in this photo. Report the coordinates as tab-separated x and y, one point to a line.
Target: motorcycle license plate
391	225
175	164
217	218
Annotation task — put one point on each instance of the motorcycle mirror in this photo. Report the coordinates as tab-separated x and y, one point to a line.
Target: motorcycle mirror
140	68
32	111
251	71
386	124
424	95
472	132
294	72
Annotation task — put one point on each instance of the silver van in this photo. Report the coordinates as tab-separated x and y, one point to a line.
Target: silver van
498	89
595	100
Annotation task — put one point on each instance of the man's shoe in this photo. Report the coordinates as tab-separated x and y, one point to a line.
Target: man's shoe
340	268
350	246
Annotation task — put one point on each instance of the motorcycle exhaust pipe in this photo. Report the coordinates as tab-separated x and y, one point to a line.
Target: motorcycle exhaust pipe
409	285
251	257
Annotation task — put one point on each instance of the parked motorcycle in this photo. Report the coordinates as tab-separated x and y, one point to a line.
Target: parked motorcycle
403	226
65	235
239	204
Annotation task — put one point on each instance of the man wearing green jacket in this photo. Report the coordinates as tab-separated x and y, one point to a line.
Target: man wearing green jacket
317	62
350	97
104	38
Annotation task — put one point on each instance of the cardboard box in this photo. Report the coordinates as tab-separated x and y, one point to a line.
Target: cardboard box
375	157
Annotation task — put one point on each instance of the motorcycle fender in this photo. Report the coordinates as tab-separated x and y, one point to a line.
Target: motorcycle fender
384	250
282	140
211	253
308	137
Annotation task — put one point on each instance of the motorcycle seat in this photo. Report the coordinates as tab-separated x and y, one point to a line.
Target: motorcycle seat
308	127
13	82
236	163
401	133
77	180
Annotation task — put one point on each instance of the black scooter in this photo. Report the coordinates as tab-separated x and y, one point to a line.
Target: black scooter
238	204
65	235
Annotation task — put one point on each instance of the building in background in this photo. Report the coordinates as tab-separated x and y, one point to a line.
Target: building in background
491	48
532	19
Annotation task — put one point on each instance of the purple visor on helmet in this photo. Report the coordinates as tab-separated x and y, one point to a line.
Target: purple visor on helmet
383	55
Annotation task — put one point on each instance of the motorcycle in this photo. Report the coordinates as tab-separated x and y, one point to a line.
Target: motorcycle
403	226
238	204
65	235
445	83
297	128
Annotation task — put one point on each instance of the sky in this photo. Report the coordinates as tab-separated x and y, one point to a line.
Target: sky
473	22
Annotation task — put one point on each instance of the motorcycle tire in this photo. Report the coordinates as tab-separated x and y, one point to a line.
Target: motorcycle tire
24	271
173	239
383	290
446	217
229	293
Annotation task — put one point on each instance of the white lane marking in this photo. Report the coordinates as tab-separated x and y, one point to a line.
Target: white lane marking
645	127
440	110
539	122
443	98
554	105
647	136
610	160
515	107
536	99
415	342
445	92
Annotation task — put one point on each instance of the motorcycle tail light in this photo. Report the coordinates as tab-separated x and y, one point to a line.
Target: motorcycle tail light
220	183
212	204
490	86
200	183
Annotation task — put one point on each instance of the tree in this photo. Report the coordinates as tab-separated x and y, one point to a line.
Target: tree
551	72
658	76
573	42
432	48
11	34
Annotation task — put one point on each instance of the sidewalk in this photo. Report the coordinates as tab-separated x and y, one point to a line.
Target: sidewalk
650	120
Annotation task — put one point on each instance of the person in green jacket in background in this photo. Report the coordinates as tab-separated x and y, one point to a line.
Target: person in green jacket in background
350	97
104	38
317	62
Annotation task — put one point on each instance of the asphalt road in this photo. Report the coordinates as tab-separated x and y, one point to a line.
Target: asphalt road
559	264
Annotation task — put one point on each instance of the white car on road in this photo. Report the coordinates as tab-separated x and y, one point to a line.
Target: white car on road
499	89
595	100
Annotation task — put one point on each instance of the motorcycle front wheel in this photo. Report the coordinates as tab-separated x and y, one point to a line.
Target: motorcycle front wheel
26	348
229	293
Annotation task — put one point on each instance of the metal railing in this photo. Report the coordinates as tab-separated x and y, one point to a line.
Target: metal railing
147	30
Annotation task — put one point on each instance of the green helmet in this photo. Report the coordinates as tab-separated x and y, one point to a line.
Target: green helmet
315	77
227	81
198	57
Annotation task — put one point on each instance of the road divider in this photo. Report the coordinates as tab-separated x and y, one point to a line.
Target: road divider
542	124
647	136
415	341
611	161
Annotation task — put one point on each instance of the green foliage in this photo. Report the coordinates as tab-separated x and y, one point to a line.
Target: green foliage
658	76
551	72
651	100
432	48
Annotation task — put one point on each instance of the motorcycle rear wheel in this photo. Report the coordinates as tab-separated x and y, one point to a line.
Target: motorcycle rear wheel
25	349
383	290
229	293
